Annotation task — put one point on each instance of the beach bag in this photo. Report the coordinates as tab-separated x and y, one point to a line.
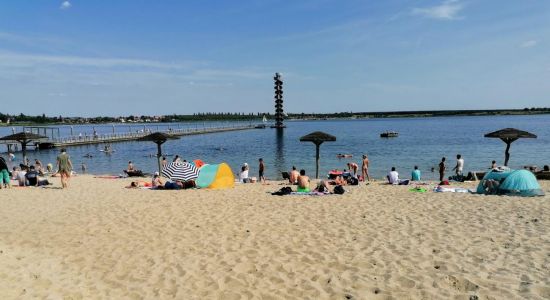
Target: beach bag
283	191
339	190
353	181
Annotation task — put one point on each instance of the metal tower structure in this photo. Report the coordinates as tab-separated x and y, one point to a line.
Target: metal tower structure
279	113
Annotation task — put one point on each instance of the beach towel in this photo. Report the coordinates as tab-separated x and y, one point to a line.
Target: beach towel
418	190
309	193
440	189
109	177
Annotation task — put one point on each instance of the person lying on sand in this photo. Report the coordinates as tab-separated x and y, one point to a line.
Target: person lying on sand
139	184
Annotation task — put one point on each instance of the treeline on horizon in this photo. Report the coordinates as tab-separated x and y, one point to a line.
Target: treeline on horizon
43	119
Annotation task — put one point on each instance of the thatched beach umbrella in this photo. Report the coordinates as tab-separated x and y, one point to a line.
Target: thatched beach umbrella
158	138
317	138
509	135
23	138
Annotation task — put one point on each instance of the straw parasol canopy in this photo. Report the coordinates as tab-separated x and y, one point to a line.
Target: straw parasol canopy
158	138
317	138
508	136
23	138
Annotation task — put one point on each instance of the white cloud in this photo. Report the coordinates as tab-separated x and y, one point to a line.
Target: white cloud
30	60
448	10
529	44
65	5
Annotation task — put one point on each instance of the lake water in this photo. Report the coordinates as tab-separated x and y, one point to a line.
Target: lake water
421	141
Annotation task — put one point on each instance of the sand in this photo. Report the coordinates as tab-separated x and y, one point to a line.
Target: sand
97	240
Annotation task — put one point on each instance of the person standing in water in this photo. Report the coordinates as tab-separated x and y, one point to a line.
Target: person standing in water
365	168
64	167
459	165
261	170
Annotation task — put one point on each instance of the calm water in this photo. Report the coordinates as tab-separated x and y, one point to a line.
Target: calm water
421	141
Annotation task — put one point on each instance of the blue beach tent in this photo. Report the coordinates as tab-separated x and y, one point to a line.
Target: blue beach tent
511	182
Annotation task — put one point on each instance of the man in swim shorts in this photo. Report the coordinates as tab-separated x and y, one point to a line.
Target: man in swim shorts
303	182
64	166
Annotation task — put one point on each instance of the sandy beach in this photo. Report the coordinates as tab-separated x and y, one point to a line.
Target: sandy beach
98	240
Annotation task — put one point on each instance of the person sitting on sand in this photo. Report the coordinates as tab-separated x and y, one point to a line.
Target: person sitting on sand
294	174
38	166
393	176
243	175
322	187
32	178
21	175
14	173
415	175
303	182
131	167
339	180
156	182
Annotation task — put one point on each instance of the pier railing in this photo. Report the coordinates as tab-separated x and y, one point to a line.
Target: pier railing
129	136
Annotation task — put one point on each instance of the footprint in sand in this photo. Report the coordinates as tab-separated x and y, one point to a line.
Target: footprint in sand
461	284
406	283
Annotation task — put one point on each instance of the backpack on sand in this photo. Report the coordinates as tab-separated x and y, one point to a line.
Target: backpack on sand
339	190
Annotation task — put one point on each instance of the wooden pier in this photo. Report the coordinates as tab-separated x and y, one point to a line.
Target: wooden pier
130	136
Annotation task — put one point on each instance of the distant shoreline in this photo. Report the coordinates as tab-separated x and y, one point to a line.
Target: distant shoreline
43	120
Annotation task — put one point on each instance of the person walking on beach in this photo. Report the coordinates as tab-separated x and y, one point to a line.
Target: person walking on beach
459	165
261	170
365	168
442	168
4	174
64	167
164	162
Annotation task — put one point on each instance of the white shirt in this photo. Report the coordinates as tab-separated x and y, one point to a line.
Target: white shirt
21	178
460	164
243	175
393	177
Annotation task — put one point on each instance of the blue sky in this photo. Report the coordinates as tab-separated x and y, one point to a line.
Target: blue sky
160	57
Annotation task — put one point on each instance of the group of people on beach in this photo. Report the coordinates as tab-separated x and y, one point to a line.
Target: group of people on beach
27	174
244	176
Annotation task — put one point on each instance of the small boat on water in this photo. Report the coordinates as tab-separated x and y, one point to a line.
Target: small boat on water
388	134
263	125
